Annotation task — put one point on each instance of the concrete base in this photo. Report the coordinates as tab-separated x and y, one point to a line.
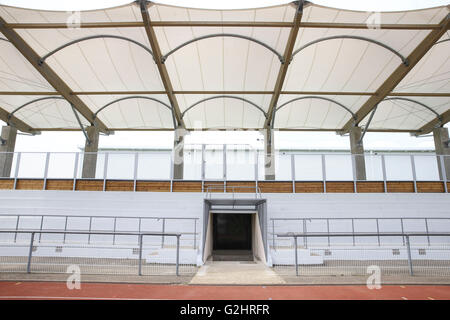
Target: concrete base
234	272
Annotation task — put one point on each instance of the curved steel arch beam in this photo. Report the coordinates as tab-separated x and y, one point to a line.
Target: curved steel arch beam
445	40
31	102
42	59
215	35
438	116
313	97
404	60
137	97
224	96
10	115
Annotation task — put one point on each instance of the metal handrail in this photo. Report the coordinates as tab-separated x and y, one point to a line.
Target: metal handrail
139	234
225	189
99	232
97	216
114	218
353	219
362	234
406	236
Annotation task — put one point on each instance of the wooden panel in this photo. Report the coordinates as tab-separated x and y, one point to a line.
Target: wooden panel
89	185
119	185
241	186
59	184
370	186
430	186
30	184
340	187
153	186
6	183
275	187
217	186
400	186
309	187
196	186
187	186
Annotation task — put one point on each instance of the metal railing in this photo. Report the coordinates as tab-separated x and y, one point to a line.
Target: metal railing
73	222
210	189
425	224
223	165
393	259
91	257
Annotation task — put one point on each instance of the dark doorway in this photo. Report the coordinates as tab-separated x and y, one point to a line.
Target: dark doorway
232	231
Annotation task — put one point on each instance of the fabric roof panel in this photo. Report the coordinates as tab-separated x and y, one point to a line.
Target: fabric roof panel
227	64
431	74
102	64
347	64
405	115
16	73
317	13
125	13
136	113
51	113
316	112
281	13
223	112
222	63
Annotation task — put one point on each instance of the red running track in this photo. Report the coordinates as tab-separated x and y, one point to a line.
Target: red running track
58	290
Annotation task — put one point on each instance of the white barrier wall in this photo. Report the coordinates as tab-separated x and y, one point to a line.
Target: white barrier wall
179	204
163	204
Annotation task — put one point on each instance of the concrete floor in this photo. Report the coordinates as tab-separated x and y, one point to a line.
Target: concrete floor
236	272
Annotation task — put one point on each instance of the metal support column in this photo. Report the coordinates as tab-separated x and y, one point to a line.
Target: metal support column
203	168
296	256
413	168
178	256
178	153
293	172
269	154
16	172
443	172
135	173
163	230
224	157
30	253
105	171
273	234
140	254
408	248
256	170
47	159
324	174
75	172
383	168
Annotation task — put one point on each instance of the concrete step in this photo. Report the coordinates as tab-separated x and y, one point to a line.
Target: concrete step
232	255
235	272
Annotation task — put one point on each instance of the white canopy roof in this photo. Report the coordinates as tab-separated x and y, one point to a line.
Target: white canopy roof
225	69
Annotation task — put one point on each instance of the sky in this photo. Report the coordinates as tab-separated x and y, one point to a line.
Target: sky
73	141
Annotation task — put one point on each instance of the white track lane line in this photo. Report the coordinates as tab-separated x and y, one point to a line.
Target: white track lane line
70	298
